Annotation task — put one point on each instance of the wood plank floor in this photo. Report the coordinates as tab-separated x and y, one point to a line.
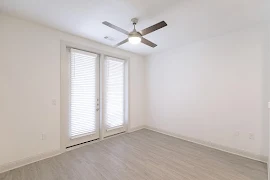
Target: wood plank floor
142	155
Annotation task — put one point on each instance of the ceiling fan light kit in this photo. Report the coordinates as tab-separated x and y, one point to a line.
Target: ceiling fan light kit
136	37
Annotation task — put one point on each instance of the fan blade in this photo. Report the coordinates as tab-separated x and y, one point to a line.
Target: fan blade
115	27
122	42
148	43
153	28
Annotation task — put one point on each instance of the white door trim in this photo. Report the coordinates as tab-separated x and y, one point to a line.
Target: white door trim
64	106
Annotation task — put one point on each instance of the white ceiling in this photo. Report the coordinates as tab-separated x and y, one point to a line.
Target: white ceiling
188	20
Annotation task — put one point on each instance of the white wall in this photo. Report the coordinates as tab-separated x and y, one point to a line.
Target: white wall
30	79
212	90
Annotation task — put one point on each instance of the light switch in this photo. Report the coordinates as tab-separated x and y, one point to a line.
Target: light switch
43	136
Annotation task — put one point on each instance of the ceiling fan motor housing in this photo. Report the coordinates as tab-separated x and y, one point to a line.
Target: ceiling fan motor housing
134	33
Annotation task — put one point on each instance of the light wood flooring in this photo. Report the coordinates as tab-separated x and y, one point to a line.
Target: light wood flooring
142	155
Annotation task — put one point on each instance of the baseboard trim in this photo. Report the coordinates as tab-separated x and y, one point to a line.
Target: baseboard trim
136	129
22	162
25	161
238	152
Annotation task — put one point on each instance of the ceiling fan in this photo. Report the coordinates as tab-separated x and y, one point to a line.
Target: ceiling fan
135	37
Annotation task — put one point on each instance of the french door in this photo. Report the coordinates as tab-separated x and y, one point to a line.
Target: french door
114	96
90	116
84	97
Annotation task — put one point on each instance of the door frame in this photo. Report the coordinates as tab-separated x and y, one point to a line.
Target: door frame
84	138
64	93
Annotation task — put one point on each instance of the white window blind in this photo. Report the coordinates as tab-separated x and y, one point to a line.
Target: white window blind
114	93
83	93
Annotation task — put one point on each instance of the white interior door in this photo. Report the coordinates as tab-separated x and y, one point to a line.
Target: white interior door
84	97
114	96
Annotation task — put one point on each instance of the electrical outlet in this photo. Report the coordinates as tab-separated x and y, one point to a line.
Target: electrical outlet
251	136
